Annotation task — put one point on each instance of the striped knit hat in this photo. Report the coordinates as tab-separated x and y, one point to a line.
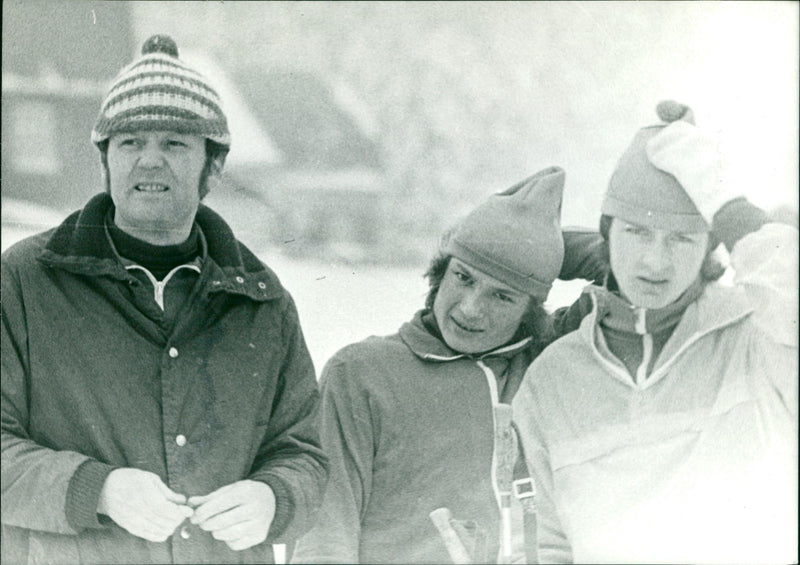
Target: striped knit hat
158	91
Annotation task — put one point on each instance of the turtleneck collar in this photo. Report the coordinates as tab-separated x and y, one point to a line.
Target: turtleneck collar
158	259
617	313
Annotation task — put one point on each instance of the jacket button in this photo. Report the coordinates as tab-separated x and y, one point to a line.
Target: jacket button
262	285
173	352
180	439
239	280
185	533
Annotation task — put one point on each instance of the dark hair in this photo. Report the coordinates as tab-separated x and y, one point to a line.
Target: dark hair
215	159
536	322
710	271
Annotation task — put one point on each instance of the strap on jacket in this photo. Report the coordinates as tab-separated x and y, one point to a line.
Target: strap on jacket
525	491
512	479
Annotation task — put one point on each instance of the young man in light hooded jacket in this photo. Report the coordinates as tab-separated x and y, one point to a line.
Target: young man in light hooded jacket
664	429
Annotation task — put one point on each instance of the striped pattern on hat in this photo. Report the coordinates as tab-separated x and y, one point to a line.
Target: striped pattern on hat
160	92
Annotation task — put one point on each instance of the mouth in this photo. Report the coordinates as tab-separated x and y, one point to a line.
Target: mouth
151	187
464	327
652	282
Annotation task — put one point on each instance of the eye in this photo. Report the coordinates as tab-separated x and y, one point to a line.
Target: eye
176	143
127	142
682	238
635	230
462	276
503	297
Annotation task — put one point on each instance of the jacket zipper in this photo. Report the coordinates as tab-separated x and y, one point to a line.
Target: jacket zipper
158	287
495	399
647	345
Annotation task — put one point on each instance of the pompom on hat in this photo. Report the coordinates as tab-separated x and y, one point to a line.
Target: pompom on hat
159	91
515	235
663	165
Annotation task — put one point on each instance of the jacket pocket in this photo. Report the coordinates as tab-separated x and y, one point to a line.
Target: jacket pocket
49	549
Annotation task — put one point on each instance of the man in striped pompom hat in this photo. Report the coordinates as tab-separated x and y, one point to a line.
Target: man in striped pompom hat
159	91
158	398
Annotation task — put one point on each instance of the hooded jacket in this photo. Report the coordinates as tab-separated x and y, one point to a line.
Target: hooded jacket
697	462
408	426
92	381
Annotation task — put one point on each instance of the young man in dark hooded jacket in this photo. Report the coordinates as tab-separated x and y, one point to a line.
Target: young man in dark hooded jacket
409	421
157	395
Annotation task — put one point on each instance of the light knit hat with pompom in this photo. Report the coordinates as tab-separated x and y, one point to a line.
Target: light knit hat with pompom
642	193
160	92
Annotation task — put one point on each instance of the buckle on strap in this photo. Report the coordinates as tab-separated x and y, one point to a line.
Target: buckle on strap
524	488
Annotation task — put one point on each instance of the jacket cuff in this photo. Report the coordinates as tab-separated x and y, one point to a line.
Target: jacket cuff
284	506
83	494
736	219
584	256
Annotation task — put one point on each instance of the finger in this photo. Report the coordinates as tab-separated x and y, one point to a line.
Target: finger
212	507
169	513
237	531
219	501
149	531
195	501
170	494
161	527
244	543
227	519
150	518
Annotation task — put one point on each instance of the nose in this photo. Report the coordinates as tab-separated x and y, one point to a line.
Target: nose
151	157
471	305
656	256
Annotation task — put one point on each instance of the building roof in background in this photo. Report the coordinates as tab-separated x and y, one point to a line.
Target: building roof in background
287	118
305	121
251	143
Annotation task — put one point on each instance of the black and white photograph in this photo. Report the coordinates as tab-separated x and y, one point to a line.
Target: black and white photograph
399	282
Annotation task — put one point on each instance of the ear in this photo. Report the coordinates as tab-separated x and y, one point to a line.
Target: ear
216	165
104	177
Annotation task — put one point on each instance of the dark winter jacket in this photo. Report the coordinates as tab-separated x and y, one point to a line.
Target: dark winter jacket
92	381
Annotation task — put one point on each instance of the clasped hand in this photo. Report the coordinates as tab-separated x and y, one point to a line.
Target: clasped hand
239	514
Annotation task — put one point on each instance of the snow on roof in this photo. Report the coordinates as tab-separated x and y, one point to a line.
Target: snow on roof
51	82
250	144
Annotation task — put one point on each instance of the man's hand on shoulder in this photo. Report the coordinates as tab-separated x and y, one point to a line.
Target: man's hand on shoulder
141	503
240	514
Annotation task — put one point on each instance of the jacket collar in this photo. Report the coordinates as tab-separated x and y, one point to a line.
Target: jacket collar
422	337
80	245
715	308
617	313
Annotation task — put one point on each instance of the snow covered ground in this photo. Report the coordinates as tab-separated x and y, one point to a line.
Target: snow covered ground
340	304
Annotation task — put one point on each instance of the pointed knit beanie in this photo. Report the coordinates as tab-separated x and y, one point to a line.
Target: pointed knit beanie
643	194
515	236
158	91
